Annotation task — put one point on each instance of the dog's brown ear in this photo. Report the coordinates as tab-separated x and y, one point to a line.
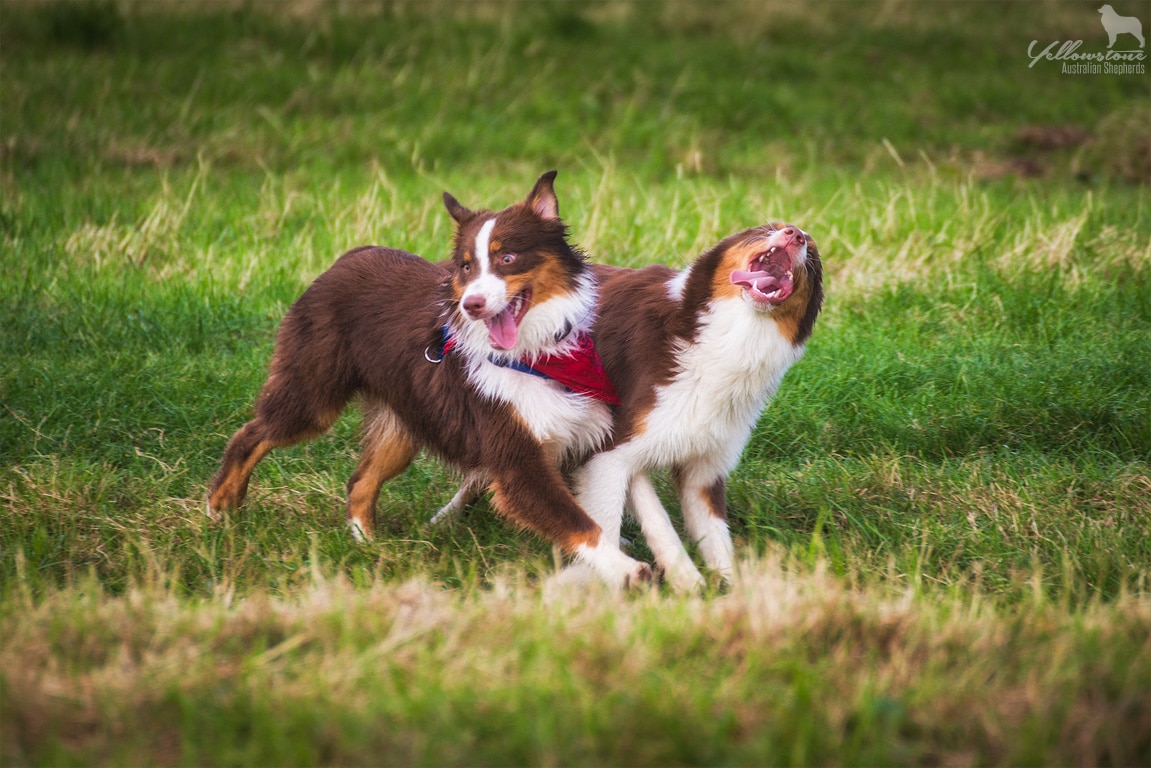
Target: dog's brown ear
458	212
542	198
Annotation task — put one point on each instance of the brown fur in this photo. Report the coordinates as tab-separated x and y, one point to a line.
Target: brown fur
361	329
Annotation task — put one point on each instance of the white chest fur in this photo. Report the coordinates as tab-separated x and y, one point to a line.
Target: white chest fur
724	378
574	424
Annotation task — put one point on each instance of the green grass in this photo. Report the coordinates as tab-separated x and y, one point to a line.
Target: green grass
945	516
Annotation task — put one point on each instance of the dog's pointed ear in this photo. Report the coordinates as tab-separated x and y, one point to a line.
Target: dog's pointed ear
542	198
458	212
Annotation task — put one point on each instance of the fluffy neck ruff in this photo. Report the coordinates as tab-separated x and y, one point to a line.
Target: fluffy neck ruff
549	329
567	356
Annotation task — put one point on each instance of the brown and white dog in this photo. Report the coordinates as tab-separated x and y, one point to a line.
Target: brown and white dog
446	357
695	356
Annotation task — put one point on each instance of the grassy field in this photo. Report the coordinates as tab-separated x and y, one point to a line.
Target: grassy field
944	520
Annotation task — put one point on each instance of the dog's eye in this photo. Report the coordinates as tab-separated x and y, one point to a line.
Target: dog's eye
509	258
466	267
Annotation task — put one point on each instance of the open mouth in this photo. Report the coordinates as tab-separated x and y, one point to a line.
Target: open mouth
504	326
768	279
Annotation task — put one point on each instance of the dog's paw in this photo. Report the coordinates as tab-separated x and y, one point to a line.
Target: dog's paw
641	577
361	534
581	579
446	514
684	579
614	567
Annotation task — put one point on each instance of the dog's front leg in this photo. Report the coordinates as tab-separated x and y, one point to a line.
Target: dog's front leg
535	496
661	536
388	450
601	489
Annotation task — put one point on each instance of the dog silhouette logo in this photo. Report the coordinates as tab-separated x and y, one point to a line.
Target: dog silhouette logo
1116	25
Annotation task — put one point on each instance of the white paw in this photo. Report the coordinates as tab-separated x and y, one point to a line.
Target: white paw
614	567
358	532
578	575
639	577
684	578
446	514
468	492
717	549
727	574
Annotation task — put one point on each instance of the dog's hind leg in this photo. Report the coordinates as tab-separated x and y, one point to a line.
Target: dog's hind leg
470	489
251	443
701	494
286	414
388	450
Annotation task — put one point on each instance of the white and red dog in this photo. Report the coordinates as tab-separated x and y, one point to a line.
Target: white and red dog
483	360
695	356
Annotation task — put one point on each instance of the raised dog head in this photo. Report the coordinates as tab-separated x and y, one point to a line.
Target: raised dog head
520	288
773	269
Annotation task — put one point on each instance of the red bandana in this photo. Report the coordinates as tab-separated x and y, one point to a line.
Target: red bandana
580	370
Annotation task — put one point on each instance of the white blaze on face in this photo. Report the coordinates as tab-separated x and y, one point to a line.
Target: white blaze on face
488	287
483	247
486	296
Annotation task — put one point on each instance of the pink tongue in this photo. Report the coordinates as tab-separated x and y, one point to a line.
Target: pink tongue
502	330
760	281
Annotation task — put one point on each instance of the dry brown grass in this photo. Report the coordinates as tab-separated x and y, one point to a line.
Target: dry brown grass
964	678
